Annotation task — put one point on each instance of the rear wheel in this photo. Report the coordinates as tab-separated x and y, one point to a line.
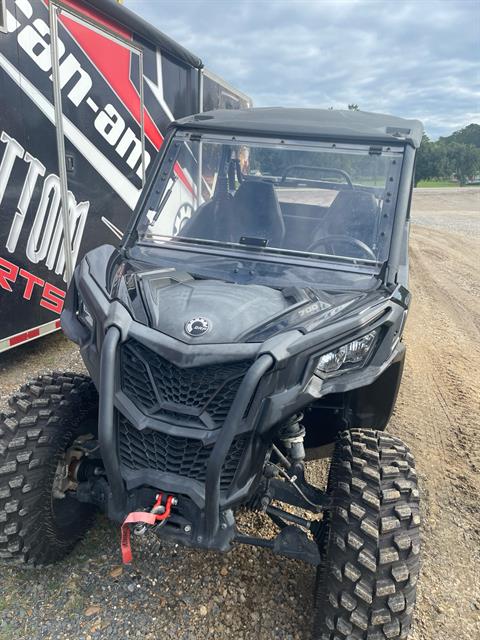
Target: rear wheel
39	521
370	541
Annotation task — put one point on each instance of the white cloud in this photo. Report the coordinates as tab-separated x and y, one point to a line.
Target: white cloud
414	58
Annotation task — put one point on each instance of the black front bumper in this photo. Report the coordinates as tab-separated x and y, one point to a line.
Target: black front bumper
207	495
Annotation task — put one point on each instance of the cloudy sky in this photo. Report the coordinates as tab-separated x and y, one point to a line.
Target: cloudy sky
413	58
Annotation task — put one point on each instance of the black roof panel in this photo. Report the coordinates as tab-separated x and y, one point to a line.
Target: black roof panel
321	124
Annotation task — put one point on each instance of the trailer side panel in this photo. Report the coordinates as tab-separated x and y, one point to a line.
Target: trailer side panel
113	125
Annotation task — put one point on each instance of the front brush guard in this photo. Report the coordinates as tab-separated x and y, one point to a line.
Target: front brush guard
292	541
119	499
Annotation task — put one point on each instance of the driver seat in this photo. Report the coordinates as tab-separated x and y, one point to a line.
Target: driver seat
257	214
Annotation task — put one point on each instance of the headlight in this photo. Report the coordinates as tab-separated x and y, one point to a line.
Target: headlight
349	356
84	315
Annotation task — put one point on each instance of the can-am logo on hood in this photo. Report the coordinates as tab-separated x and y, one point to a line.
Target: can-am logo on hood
196	327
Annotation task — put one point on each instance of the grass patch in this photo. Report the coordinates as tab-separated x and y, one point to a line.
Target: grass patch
433	184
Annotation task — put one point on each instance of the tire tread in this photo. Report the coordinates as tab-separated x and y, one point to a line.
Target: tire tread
43	420
366	584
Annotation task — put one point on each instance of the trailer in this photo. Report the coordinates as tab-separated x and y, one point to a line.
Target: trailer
87	90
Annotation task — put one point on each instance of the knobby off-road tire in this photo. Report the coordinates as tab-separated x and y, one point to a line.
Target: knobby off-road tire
45	418
370	543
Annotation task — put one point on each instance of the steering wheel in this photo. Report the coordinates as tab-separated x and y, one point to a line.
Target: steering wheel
328	243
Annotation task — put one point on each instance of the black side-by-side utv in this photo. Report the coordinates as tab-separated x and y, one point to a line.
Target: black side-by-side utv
252	320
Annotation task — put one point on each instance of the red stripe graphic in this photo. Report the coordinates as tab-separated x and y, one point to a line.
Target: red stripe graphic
26	335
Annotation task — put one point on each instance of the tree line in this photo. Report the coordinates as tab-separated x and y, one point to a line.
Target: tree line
457	155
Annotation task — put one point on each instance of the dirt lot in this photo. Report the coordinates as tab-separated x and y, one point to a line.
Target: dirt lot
175	593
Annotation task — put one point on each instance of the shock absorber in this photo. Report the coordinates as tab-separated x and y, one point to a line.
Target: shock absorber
290	460
292	437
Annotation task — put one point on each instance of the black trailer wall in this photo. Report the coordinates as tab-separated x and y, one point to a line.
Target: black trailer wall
112	127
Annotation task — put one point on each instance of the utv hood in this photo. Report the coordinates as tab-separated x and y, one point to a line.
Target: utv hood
209	311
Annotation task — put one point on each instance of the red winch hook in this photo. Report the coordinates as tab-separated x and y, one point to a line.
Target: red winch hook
156	514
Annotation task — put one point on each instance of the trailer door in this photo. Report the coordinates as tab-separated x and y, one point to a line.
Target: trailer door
31	295
99	109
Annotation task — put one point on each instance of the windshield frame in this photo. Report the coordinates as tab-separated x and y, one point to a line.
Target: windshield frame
156	190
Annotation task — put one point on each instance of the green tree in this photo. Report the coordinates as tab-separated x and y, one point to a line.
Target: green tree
463	159
468	135
353	107
432	161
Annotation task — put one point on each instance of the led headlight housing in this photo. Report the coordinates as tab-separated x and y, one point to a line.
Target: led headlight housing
352	355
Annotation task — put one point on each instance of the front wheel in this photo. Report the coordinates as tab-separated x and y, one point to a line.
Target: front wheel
370	541
39	521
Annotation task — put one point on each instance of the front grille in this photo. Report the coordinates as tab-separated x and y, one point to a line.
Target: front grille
187	457
194	395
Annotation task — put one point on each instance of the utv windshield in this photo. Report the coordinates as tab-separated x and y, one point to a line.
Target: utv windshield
307	201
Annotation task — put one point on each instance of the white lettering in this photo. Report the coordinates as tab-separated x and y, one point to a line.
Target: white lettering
13	151
35	169
25	7
41	232
12	23
33	43
45	241
77	214
68	68
129	139
110	124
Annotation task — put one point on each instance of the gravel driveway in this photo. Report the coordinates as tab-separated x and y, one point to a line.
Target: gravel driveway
172	592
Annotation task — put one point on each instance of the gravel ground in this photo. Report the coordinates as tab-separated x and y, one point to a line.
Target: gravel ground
452	209
171	592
